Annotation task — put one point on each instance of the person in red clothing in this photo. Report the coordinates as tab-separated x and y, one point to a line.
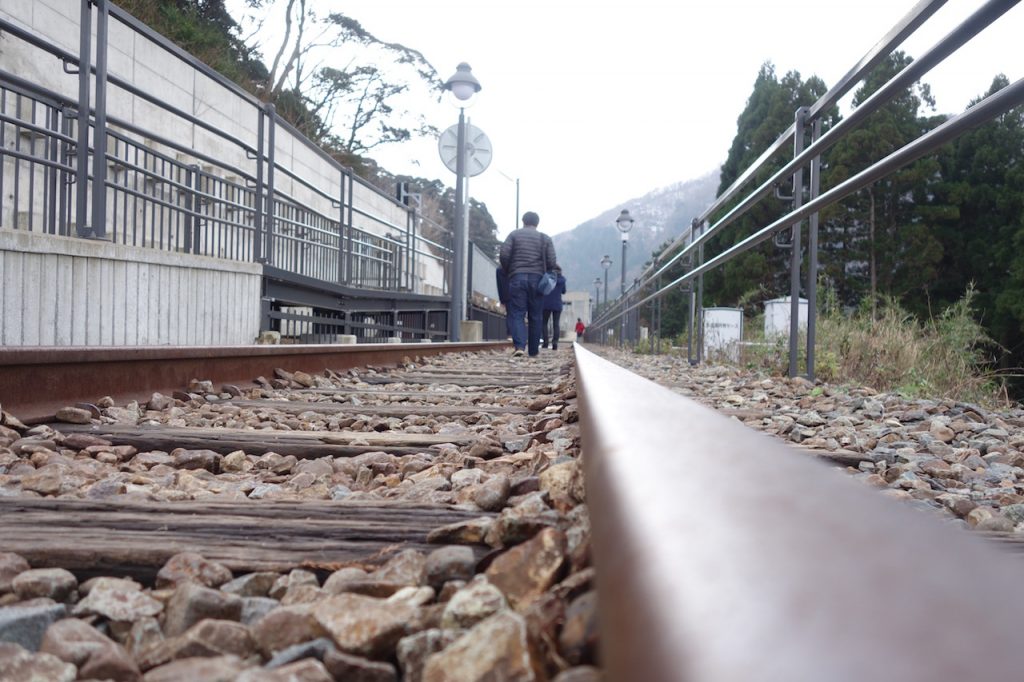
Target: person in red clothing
580	328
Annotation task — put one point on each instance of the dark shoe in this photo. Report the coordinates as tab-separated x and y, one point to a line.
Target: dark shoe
554	347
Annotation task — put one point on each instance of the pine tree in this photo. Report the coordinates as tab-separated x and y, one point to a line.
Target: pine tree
768	112
882	240
983	235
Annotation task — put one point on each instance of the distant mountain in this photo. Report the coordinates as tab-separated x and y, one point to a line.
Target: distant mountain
660	215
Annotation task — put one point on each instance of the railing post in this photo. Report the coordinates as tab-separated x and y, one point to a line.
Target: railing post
190	216
257	204
341	229
349	256
800	125
82	151
268	223
656	314
52	154
410	251
66	178
812	254
699	320
99	137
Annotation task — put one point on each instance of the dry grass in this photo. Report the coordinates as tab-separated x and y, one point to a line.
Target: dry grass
892	351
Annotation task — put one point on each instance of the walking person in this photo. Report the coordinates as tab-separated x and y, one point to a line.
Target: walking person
580	328
526	254
553	311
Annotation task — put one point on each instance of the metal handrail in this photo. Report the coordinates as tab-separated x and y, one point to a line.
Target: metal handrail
691	243
221	211
985	110
956	39
913	20
724	555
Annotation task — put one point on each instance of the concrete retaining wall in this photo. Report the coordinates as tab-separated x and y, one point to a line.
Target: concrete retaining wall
62	291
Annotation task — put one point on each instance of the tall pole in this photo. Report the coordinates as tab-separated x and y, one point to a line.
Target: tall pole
622	295
516	221
794	255
625	241
99	131
812	252
606	286
597	292
459	253
82	148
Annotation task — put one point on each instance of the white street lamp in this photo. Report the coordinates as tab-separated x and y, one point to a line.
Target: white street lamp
625	223
606	263
463	85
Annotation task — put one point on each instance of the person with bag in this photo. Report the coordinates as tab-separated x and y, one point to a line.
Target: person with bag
553	312
526	256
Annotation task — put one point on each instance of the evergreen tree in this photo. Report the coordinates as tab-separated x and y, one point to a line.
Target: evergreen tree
983	235
768	112
882	240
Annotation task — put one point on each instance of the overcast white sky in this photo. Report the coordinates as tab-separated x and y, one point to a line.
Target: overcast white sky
591	102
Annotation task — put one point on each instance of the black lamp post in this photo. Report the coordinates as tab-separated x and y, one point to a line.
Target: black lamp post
597	291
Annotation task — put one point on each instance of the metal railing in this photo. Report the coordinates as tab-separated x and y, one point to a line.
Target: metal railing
186	184
808	144
298	324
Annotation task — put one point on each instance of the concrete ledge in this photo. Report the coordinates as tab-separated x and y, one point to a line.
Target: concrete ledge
31	242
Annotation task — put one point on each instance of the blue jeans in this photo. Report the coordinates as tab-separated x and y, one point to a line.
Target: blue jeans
525	301
550	331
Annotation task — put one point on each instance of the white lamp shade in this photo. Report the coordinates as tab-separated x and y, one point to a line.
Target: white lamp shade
463	91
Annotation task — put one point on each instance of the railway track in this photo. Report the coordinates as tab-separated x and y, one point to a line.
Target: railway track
343	524
426	518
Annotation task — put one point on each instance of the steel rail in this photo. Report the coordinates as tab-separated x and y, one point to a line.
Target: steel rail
36	382
724	555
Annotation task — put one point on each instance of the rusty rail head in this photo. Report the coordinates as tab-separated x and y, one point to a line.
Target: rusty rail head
37	381
723	555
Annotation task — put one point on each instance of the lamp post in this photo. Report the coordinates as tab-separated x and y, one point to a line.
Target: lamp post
606	263
463	85
515	218
625	223
597	292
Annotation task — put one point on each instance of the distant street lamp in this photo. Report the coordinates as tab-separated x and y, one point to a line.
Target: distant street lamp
625	224
606	263
463	85
597	292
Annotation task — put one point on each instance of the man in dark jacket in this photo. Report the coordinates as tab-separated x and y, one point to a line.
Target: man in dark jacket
553	312
526	254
